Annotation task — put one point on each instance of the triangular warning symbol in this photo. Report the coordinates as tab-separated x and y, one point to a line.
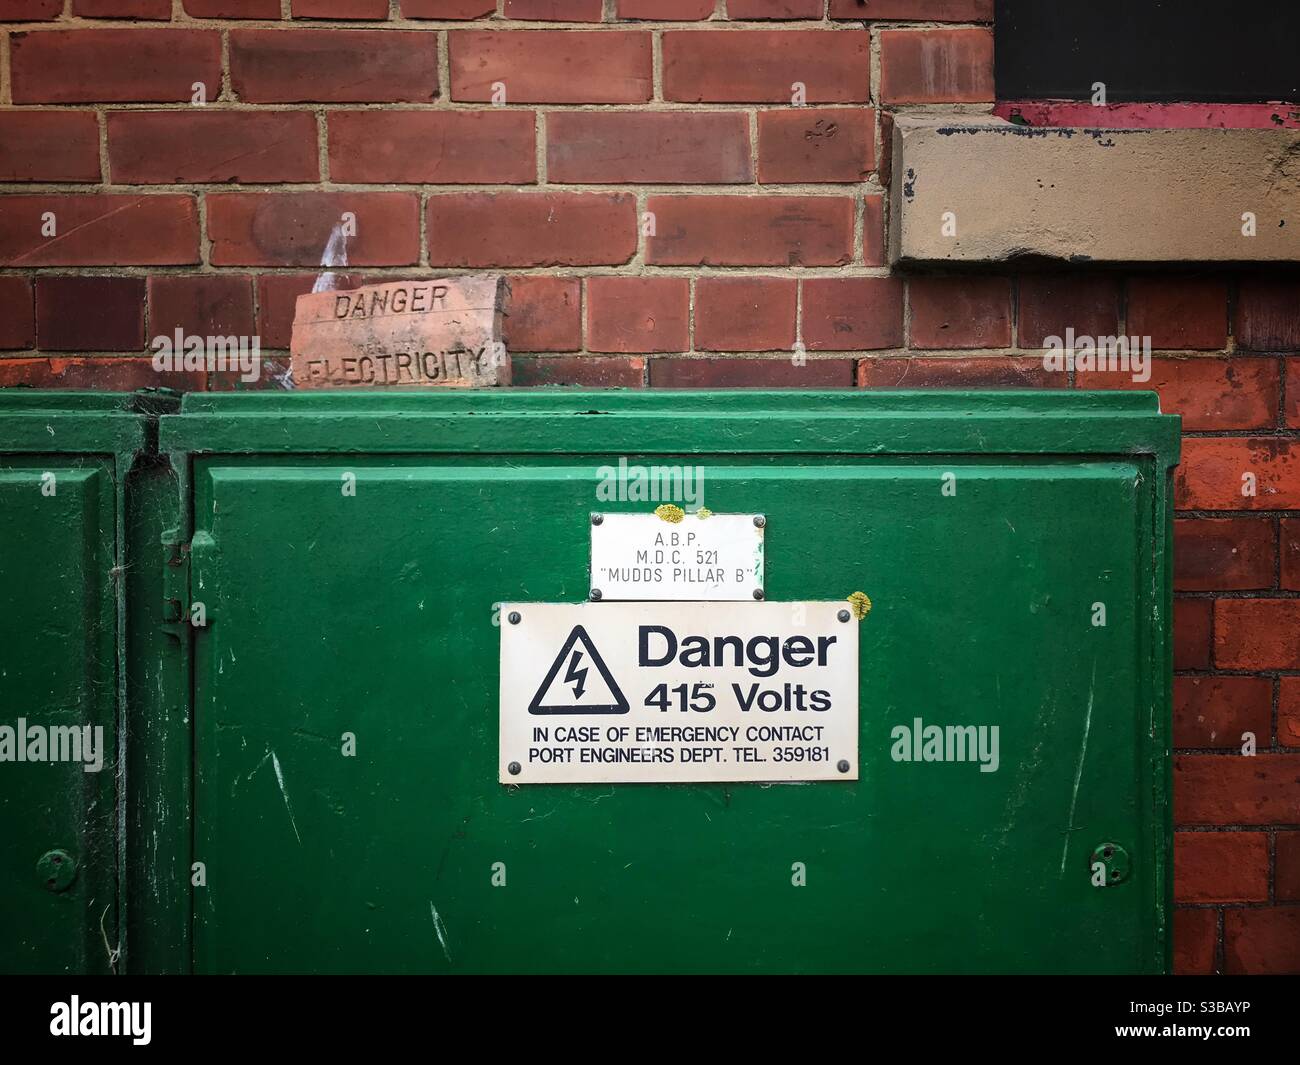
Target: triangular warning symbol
578	682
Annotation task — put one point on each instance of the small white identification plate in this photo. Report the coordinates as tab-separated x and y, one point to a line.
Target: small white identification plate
641	556
674	693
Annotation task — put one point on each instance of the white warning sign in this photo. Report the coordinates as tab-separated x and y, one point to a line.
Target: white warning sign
650	692
644	556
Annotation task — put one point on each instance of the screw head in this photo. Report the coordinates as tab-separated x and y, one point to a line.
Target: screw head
515	619
758	593
596	519
760	520
595	595
843	767
844	615
513	769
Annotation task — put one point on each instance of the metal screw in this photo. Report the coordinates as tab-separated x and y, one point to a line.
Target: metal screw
514	617
843	767
758	593
844	615
759	521
595	595
596	519
513	769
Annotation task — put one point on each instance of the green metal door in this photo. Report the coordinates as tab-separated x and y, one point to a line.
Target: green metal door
346	810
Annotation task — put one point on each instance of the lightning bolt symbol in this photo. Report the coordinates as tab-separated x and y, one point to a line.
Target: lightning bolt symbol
575	676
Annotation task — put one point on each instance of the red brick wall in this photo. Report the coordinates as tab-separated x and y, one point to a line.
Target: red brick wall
769	226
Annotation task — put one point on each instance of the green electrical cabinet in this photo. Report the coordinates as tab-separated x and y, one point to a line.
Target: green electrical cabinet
313	778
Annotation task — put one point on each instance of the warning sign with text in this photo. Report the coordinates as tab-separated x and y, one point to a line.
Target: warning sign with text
658	692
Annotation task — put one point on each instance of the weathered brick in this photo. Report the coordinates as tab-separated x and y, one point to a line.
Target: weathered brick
960	312
745	313
774	9
99	229
1196	935
1051	304
49	146
1268	315
936	66
241	9
90	313
114	65
1234	789
751	373
852	313
201	305
17	324
333	66
999	371
1212	475
134	9
914	10
1262	941
555	10
293	228
873	230
1223	554
115	373
370	10
751	230
763	66
666	10
1221	867
452	10
1292	408
433	147
545	314
1238	393
1192	633
1257	633
1179	312
587	371
40	10
277	295
1289	549
1217	711
166	147
811	144
637	315
1288	712
1286	875
651	148
520	229
551	66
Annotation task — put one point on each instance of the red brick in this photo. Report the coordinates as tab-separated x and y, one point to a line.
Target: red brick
1192	633
371	10
810	144
168	147
1196	934
751	373
99	229
745	313
433	147
141	9
49	146
1288	712
17	325
960	312
636	315
1293	393
293	228
915	10
545	314
1268	315
885	168
277	295
242	9
1257	633
1210	477
482	229
555	10
852	313
114	65
90	313
1221	867
40	10
588	371
1238	393
1289	545
1217	711
448	9
1262	941
762	66
773	9
666	10
650	148
936	66
1286	875
1179	312
1223	554
201	305
552	66
1052	303
873	230
751	230
106	373
1236	789
334	66
1000	371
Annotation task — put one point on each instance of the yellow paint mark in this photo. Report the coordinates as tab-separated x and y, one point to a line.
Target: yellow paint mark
704	512
860	605
670	512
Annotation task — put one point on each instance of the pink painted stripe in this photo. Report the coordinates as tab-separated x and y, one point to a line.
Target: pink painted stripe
1151	116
